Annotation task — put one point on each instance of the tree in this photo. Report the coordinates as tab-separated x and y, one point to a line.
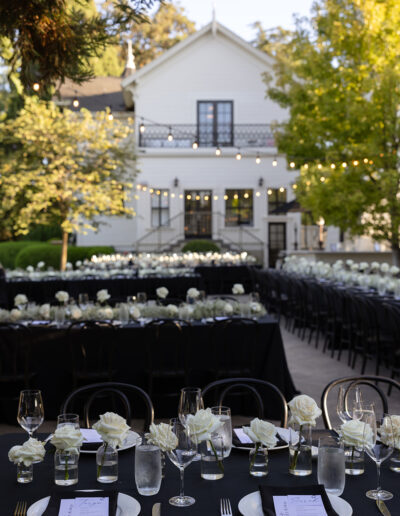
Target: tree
54	40
338	74
63	167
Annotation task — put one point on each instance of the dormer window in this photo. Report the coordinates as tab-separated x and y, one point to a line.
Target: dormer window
215	123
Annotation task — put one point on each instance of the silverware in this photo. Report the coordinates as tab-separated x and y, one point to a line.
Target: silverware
20	509
156	510
382	507
225	507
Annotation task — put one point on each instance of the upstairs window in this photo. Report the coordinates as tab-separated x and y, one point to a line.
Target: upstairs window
238	207
160	208
276	198
215	123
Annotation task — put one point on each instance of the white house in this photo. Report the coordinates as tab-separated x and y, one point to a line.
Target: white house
198	108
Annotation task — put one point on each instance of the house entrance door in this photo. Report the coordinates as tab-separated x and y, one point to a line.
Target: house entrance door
198	223
276	241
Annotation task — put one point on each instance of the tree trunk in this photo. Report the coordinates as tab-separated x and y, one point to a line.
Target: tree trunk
64	251
396	256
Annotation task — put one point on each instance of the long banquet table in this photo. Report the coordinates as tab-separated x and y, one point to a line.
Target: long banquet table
51	363
236	483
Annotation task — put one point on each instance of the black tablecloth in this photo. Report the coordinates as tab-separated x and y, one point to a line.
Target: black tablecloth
220	279
50	360
236	483
118	288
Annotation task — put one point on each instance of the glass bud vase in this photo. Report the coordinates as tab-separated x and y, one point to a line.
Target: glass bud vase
24	473
258	458
107	464
395	461
354	460
212	455
300	460
65	468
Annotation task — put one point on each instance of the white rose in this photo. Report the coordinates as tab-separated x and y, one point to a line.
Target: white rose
162	292
303	410
67	438
112	429
68	266
162	436
105	313
203	424
394	270
31	451
354	267
384	267
255	307
78	263
30	268
76	313
374	266
102	295
135	312
193	293
261	432
172	310
20	299
62	296
349	263
15	314
356	433
44	311
237	289
228	309
40	265
391	437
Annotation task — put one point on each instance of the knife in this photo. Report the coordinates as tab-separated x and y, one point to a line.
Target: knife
381	506
156	510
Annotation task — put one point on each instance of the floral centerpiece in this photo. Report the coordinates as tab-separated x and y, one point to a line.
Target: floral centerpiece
113	429
355	434
24	456
193	293
263	435
162	292
20	300
237	289
394	438
202	427
161	435
67	440
62	297
102	296
303	415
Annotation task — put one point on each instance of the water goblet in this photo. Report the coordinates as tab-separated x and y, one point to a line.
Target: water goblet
30	410
181	457
331	465
225	431
68	420
141	297
83	301
147	468
190	402
378	443
342	404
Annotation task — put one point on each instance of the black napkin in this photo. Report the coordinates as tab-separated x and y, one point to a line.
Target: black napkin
56	496
236	442
267	492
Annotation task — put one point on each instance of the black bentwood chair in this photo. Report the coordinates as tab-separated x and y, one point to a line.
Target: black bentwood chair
263	393
371	382
97	398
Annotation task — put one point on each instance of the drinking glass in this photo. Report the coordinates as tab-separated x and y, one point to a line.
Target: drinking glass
331	465
190	402
83	301
141	297
378	443
147	469
30	410
68	419
225	431
123	313
182	456
59	315
342	404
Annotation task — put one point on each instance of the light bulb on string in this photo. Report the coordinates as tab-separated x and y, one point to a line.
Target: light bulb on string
180	196
294	186
274	162
170	136
258	194
305	166
238	155
281	189
188	197
218	152
344	164
333	166
225	197
144	188
110	115
215	197
197	197
319	166
246	195
356	163
195	145
75	102
142	127
236	197
165	194
269	191
322	179
173	196
151	190
258	159
36	86
292	164
365	161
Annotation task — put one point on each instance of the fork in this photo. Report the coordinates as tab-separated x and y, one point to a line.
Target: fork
20	509
225	507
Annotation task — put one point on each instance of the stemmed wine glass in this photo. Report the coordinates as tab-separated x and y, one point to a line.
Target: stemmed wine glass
182	456
190	402
30	410
378	443
83	300
342	405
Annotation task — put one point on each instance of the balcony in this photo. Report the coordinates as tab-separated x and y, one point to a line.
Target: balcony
184	135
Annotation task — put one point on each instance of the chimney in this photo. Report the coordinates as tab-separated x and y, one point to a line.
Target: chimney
130	66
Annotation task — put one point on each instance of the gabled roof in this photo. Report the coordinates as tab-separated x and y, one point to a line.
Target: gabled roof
95	94
213	27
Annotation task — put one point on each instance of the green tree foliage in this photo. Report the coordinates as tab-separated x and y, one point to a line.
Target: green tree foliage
53	40
338	75
63	167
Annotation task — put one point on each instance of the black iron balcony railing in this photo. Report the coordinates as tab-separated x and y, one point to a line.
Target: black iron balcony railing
182	136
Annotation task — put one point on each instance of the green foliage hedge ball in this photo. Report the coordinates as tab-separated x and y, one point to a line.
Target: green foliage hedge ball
200	246
10	250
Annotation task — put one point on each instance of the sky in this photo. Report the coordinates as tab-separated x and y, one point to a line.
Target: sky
239	15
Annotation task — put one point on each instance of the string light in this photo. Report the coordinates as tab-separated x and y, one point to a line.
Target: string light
170	136
225	197
138	187
142	127
294	186
258	194
365	161
215	197
158	192
75	102
206	197
356	163
238	155
306	166
218	152
173	196
165	194
292	164
281	189
180	196
333	166
274	162
110	116
197	197
236	196
344	164
246	195
36	86
151	190
188	197
322	179
258	159
195	145
144	188
269	191
319	166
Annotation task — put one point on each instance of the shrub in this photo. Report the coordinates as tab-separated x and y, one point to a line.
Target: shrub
10	250
51	254
43	233
200	246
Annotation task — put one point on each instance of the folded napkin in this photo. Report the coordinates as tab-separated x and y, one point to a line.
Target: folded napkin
237	442
267	492
56	496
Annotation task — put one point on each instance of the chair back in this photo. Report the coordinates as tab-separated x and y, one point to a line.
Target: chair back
15	343
351	382
105	397
270	394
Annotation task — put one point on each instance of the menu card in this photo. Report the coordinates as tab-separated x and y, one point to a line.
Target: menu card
90	436
299	505
94	506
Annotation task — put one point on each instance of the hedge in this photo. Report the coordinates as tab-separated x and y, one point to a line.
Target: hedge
51	254
10	250
200	246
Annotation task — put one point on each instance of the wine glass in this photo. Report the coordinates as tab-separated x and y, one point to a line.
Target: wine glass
342	404
378	443
190	402
30	410
182	456
83	300
141	297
